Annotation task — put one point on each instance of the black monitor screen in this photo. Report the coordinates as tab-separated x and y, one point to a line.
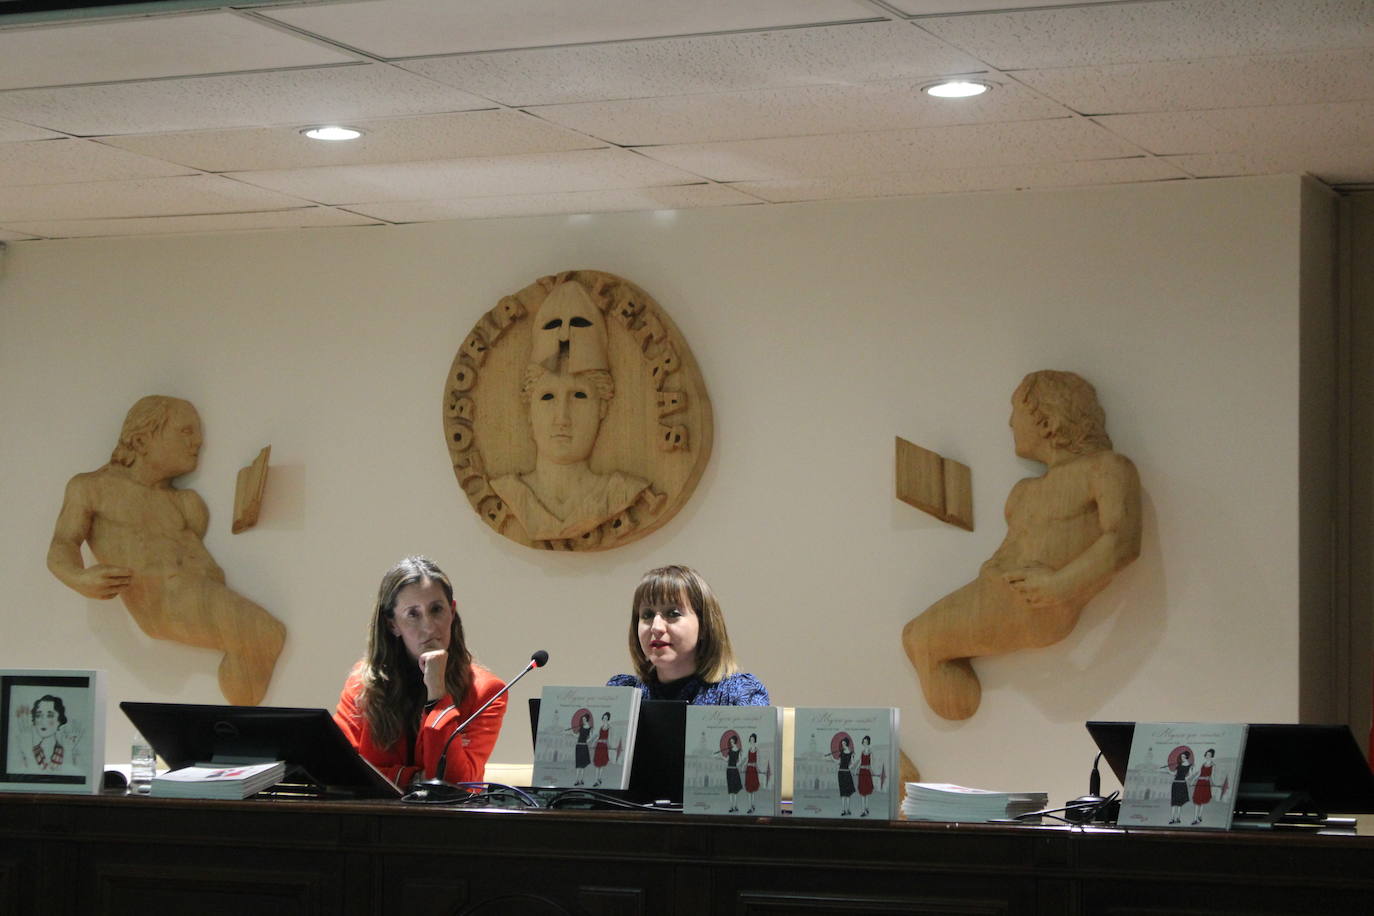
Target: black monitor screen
312	745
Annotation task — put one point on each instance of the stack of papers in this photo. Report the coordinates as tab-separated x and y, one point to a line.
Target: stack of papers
1019	803
938	801
223	781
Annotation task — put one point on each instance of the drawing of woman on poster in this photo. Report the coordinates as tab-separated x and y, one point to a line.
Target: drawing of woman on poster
733	784
751	770
865	771
50	746
1202	787
845	775
601	754
1180	764
582	756
53	743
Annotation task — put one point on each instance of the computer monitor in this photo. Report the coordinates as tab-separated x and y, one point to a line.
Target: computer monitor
1317	769
660	740
317	754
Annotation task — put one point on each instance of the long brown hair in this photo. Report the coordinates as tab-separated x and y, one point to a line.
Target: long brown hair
714	655
393	687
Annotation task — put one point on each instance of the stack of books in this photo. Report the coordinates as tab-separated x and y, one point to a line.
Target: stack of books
938	801
218	781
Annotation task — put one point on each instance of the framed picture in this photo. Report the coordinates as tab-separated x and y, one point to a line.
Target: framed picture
53	732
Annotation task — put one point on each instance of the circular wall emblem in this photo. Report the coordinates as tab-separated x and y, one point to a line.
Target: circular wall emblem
575	415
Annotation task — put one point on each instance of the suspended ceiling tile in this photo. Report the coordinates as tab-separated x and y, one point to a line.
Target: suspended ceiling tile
880	152
287	97
133	49
1094	35
854	53
303	218
1340	167
142	197
1231	82
1288	129
938	181
793	112
58	161
928	7
13	132
412	28
1219	165
585	170
673	198
446	136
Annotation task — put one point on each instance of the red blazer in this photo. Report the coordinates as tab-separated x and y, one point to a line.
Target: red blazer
467	756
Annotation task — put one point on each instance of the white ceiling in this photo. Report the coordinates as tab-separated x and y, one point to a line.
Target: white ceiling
190	121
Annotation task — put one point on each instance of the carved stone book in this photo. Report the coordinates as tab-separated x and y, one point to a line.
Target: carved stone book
586	737
733	760
845	763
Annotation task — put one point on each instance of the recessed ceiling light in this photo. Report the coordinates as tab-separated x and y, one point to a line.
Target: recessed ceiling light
332	133
956	89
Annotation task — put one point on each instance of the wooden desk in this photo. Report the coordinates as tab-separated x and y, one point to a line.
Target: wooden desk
156	857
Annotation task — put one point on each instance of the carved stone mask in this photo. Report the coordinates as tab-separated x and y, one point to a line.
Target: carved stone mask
568	322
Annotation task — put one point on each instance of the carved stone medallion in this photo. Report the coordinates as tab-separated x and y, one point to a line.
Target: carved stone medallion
575	415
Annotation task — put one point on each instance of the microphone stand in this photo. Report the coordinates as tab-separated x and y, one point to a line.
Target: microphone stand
1093	807
438	790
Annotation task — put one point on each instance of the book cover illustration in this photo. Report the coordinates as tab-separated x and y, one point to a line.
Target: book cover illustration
52	730
733	760
1182	774
585	737
845	762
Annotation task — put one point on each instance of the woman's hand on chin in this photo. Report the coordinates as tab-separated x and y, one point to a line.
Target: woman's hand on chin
433	664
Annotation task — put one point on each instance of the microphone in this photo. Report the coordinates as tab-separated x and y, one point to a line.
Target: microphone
1093	807
438	790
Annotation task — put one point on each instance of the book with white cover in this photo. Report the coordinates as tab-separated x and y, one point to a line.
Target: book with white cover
585	737
845	762
218	780
1182	774
733	760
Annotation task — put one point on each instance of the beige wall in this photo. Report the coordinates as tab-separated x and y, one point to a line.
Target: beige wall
822	330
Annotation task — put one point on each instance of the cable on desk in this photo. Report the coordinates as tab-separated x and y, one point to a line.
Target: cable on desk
478	794
571	797
1083	814
484	794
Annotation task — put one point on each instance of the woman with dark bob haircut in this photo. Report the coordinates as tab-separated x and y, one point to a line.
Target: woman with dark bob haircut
680	647
401	703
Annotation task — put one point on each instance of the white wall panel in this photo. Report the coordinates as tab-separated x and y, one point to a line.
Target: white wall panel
823	330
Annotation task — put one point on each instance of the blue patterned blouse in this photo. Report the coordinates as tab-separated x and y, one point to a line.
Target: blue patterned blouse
735	690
